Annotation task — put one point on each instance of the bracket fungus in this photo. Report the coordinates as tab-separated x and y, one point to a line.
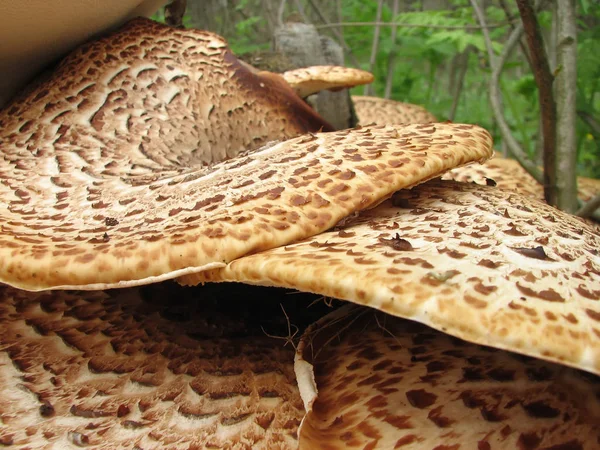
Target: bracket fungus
105	176
489	266
384	111
310	80
509	174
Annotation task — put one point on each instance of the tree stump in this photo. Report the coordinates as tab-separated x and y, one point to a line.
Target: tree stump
302	46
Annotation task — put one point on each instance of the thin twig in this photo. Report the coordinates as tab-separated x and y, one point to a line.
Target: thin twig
414	25
383	327
289	339
496	95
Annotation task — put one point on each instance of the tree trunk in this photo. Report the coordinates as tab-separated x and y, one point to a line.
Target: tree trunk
566	90
544	81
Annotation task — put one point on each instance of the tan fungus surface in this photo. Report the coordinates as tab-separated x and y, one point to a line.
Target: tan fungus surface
130	369
310	80
387	383
486	265
384	111
99	195
509	174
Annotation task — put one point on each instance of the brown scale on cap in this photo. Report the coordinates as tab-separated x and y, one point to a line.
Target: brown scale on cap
96	174
145	368
384	111
310	80
509	174
486	265
388	383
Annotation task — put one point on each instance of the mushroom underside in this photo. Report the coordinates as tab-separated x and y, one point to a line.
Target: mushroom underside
205	366
384	382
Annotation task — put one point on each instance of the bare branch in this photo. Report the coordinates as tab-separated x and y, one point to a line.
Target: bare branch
589	208
591	122
389	81
522	46
464	65
496	95
544	81
368	90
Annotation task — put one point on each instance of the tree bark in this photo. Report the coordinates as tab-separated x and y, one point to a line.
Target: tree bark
544	80
174	12
566	114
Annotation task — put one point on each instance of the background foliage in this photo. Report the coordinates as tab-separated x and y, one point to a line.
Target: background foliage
436	41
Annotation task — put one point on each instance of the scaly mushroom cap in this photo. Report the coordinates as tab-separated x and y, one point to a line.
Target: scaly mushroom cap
509	174
143	369
383	111
92	210
176	97
486	265
387	383
310	80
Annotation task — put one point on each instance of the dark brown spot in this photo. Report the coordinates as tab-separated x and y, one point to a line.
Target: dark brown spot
492	415
489	264
594	315
435	415
405	440
549	295
46	410
541	410
536	252
420	398
528	441
111	222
